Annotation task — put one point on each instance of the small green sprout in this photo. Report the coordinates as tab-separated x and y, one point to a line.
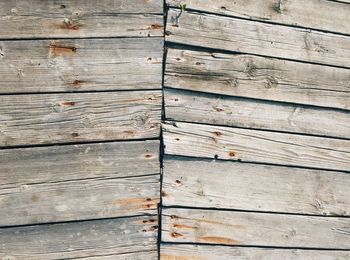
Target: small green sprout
183	7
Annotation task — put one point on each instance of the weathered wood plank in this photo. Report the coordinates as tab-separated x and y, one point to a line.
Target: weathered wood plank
219	110
254	229
50	184
317	14
80	65
117	238
220	184
258	77
79	200
57	164
74	117
256	146
72	19
234	34
212	252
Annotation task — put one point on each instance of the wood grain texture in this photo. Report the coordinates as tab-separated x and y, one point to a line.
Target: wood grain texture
231	185
80	65
79	200
71	19
120	238
60	118
58	164
227	111
212	252
245	145
258	77
316	14
254	229
233	34
64	183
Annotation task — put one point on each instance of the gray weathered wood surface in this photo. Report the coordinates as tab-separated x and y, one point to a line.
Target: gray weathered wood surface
80	65
228	111
116	238
254	229
233	34
258	77
79	200
318	14
210	252
255	146
76	162
232	185
52	184
72	19
75	117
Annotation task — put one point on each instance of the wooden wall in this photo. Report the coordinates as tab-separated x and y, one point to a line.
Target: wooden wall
253	153
80	114
257	130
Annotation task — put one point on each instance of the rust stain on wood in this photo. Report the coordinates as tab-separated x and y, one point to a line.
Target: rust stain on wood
57	48
68	103
143	203
176	235
75	134
217	133
183	226
70	25
129	132
220	240
156	26
153	228
78	83
148	221
218	109
232	154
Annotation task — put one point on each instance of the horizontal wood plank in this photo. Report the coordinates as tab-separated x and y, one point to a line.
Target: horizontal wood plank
55	164
238	35
80	65
255	146
254	229
317	14
79	200
231	185
75	117
64	183
258	77
120	238
212	252
72	19
227	111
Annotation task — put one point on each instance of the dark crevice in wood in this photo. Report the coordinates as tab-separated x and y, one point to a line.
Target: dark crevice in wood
254	246
77	143
80	92
252	211
186	157
80	38
75	221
